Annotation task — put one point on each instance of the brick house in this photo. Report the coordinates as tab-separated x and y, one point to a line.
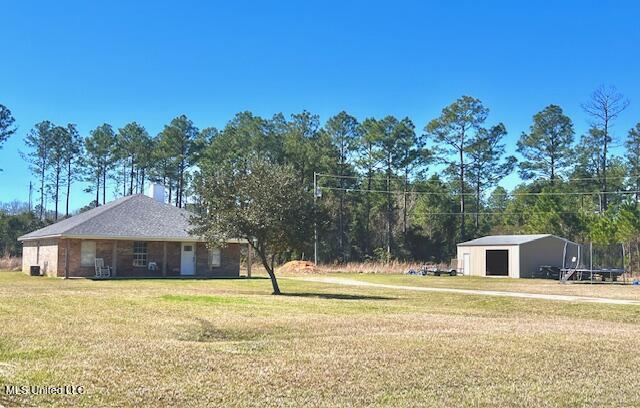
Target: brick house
135	235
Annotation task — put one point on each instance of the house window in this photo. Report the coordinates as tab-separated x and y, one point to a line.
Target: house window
215	258
140	254
88	253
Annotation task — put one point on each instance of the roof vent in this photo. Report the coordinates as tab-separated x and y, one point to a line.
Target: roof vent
156	191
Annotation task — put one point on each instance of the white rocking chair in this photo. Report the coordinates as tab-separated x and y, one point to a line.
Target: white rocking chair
101	270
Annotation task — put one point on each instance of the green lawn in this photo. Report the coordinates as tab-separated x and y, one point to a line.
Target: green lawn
230	343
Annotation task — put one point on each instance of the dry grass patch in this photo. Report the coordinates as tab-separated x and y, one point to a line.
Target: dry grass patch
10	263
206	299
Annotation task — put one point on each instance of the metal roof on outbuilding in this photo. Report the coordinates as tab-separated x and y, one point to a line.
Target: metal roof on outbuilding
491	240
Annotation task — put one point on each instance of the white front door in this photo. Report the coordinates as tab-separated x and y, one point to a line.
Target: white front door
466	264
188	259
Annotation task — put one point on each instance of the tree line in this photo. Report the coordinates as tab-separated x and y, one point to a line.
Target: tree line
125	159
385	189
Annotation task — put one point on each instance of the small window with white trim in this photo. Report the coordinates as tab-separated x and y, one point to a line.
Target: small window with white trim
215	258
140	254
88	253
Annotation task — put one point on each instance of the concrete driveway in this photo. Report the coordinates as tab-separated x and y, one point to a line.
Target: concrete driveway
521	295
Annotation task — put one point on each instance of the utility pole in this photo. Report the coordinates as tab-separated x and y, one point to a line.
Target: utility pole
315	221
249	259
30	195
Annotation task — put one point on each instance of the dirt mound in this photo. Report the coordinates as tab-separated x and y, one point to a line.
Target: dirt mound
297	267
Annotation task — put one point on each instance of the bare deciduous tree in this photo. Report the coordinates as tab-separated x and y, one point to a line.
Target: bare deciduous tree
604	107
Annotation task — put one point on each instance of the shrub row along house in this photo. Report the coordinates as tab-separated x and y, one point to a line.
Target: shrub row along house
135	236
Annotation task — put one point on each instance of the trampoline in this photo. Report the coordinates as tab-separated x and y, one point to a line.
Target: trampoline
579	266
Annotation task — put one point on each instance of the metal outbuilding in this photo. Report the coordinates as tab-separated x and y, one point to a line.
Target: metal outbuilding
515	256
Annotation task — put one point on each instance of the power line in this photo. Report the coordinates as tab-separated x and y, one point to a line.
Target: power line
601	178
383	176
551	193
386	191
504	213
374	176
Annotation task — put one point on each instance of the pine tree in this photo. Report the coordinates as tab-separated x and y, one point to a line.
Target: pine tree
412	158
547	146
344	132
300	145
370	158
453	134
487	164
178	136
134	148
39	140
100	157
60	141
633	158
72	157
7	127
164	167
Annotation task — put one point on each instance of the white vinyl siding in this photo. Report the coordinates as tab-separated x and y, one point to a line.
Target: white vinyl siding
87	253
215	257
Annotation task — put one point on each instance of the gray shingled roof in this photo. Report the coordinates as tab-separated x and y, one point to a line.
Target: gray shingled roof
135	216
505	240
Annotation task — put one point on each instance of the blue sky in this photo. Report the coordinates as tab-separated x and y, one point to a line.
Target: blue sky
93	62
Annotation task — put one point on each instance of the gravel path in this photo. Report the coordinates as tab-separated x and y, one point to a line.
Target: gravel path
522	295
